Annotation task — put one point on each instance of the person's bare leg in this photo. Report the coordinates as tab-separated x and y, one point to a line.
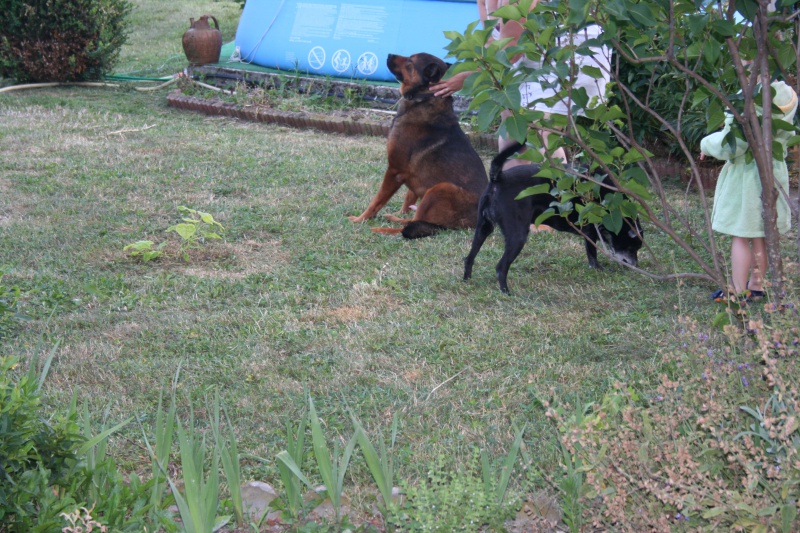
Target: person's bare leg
758	248
741	258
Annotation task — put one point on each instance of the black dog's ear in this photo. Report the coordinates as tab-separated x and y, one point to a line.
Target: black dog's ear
432	73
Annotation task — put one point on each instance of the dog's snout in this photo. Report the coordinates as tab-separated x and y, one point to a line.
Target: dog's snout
628	259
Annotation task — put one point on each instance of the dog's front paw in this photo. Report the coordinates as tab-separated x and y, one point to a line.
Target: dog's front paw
356	219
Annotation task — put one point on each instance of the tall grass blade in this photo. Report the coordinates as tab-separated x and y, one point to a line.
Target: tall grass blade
344	461
508	467
45	366
285	460
102	436
287	465
380	466
486	471
320	447
331	469
201	495
229	454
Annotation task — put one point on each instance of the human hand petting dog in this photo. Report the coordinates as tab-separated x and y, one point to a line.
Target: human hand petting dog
451	85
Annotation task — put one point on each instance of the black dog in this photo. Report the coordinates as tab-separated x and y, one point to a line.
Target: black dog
499	206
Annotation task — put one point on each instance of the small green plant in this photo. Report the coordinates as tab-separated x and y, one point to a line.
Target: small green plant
288	461
54	464
199	503
497	485
229	454
144	250
195	229
332	467
449	501
164	431
380	466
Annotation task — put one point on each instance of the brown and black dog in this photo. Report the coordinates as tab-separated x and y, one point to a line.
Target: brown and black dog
428	153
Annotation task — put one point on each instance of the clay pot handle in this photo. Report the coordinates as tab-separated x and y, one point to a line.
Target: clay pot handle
215	20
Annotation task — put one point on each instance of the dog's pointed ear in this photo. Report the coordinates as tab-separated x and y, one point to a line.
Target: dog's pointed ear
433	72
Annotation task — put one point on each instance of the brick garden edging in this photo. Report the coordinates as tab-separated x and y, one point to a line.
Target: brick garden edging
300	119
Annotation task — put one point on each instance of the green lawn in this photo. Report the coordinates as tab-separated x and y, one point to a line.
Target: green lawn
294	297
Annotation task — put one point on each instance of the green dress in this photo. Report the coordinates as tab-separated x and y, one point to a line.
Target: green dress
737	198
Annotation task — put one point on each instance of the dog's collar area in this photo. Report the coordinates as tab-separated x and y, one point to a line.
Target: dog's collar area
418	96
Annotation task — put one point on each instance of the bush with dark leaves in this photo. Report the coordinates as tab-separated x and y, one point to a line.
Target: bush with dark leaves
61	40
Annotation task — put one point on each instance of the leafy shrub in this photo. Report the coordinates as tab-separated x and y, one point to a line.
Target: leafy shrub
714	445
35	454
659	86
49	468
61	40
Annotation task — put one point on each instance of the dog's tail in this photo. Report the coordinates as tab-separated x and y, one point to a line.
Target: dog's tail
419	228
500	159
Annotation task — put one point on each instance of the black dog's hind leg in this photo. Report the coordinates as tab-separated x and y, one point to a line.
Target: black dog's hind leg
483	229
516	238
591	246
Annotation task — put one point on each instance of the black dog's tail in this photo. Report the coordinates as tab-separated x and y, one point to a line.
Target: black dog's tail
420	228
500	159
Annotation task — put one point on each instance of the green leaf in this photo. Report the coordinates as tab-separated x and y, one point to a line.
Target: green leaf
286	460
716	511
487	112
793	141
712	51
747	9
508	467
380	466
592	72
139	245
696	23
509	12
186	231
544	216
642	13
788	516
721	320
542	188
639	190
91	443
613	221
516	127
578	10
724	28
320	447
46	367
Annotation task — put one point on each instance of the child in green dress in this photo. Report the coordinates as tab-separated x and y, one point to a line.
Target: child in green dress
737	198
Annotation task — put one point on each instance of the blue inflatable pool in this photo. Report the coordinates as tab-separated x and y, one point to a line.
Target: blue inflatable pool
346	39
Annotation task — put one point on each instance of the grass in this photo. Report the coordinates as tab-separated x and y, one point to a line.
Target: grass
295	296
